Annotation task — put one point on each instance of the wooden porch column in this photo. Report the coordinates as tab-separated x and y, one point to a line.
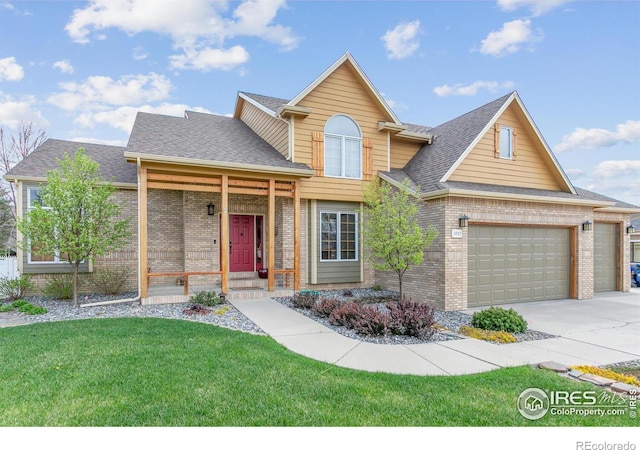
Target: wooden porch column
271	244
143	265
224	234
296	236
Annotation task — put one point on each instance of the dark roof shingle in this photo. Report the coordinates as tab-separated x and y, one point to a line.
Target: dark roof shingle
204	137
113	166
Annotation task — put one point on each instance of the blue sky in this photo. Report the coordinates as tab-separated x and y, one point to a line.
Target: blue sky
81	70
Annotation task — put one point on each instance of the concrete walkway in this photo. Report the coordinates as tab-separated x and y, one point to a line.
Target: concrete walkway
602	330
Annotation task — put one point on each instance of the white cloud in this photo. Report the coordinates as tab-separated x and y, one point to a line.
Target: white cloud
510	38
13	111
98	91
575	173
10	70
593	138
402	41
207	58
537	7
471	89
64	66
123	117
139	54
617	168
199	27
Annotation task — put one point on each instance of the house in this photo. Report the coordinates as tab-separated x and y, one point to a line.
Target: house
279	185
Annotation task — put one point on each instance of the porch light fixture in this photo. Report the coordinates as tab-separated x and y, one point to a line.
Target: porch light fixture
631	229
211	209
586	225
463	221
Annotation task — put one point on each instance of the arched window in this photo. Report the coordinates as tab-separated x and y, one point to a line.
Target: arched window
342	148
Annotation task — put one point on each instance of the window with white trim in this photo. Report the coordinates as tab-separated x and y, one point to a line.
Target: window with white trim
342	148
506	142
338	236
33	198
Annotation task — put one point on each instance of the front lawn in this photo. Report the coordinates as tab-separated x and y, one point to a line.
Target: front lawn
159	372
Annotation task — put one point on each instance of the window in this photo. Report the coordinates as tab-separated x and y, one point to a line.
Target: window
33	198
339	236
342	148
635	252
506	142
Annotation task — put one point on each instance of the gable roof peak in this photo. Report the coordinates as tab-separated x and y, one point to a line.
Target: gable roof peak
347	58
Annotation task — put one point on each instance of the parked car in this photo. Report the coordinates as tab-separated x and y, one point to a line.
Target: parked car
635	274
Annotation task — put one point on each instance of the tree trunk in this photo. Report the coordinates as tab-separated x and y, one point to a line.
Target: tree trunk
75	284
400	286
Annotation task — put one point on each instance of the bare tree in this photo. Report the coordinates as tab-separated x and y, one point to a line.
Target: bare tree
15	145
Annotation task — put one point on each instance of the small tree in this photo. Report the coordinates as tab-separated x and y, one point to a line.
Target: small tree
76	216
392	231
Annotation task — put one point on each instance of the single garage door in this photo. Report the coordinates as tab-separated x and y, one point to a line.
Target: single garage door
517	264
604	257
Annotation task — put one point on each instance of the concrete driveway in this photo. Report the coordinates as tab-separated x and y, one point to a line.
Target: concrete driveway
604	328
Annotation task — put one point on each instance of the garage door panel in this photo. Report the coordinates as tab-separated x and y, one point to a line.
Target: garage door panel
526	264
604	257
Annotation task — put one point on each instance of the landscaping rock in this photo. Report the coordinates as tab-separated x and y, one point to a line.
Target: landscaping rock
554	366
596	379
625	388
575	373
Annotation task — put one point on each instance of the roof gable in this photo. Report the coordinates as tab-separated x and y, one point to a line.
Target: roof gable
454	141
349	61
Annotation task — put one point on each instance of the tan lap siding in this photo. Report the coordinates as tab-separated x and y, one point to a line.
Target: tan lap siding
531	167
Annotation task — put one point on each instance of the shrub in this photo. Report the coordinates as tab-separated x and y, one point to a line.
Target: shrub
411	318
325	307
501	337
24	307
222	310
111	281
347	293
207	298
15	288
60	287
499	319
194	309
346	314
371	322
305	299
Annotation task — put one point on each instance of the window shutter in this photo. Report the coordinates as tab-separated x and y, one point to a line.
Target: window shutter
317	149
514	145
367	158
496	140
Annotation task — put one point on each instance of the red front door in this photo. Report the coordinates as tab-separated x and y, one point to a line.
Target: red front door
242	247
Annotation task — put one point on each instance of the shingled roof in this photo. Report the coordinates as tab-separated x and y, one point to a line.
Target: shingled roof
113	166
204	137
451	139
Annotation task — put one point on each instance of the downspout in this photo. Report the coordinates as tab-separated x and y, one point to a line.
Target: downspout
138	164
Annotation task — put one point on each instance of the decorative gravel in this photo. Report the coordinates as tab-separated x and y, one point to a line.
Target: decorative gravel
223	315
449	321
624	365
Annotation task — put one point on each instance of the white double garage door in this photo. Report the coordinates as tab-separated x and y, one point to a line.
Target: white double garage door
524	264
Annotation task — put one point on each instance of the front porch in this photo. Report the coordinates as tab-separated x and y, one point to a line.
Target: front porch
185	219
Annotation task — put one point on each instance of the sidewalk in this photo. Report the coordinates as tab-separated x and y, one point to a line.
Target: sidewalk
307	337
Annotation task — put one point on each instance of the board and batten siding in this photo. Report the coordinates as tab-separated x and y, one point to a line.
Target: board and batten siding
530	168
275	132
331	272
340	93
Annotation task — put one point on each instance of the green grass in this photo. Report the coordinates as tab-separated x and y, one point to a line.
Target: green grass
158	372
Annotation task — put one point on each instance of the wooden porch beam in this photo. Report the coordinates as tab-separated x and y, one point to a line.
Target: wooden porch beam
272	235
183	178
296	237
184	187
142	233
224	235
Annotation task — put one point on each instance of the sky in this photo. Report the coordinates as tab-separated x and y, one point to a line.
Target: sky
81	70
